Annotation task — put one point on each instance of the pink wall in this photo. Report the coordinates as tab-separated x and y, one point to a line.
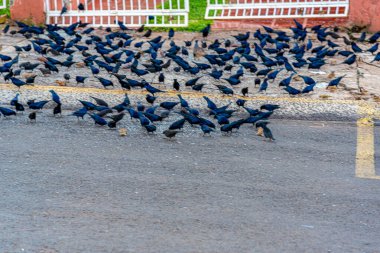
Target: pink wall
28	10
362	12
365	12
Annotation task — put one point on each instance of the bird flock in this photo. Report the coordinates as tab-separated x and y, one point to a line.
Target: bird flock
132	59
149	116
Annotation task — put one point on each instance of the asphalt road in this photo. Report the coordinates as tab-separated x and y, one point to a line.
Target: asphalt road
73	187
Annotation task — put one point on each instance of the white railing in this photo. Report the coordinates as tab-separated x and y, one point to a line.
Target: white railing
3	4
133	13
253	9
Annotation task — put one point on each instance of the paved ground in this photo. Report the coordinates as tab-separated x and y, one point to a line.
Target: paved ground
61	192
349	90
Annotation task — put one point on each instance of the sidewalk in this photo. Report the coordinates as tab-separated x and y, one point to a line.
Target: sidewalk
342	102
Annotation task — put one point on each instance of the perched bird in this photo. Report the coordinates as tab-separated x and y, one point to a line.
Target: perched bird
176	85
335	82
206	129
81	7
170	133
244	91
266	131
291	90
38	105
32	116
206	31
55	97
100	102
57	110
80	113
98	120
63	10
7	112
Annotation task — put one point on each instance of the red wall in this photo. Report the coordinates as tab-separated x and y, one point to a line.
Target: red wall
366	12
28	10
362	12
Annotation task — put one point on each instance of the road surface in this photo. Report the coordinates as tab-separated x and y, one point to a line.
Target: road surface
74	187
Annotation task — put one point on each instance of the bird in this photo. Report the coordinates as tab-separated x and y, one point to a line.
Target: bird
98	120
100	101
152	89
244	91
81	7
79	79
266	131
206	129
291	90
63	10
17	82
57	110
38	105
176	85
147	34
32	116
80	113
206	31
170	133
7	112
335	82
55	97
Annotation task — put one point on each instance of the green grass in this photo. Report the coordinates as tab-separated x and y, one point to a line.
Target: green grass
5	11
197	19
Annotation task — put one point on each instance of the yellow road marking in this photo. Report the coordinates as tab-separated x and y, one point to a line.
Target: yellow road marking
365	150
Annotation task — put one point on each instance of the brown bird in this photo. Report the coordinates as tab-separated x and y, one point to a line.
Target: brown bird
198	51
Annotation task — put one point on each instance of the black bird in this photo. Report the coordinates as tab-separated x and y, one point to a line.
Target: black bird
148	33
244	91
80	113
176	125
267	132
269	107
57	110
66	77
7	112
206	129
38	105
176	85
111	124
6	29
206	31
64	10
150	99
170	133
105	82
141	29
240	102
117	117
32	116
150	128
161	78
100	102
17	82
81	7
80	79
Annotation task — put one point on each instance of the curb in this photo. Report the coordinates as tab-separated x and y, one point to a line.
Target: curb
291	107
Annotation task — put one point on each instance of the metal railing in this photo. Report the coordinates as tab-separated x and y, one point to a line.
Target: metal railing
133	13
3	4
254	9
